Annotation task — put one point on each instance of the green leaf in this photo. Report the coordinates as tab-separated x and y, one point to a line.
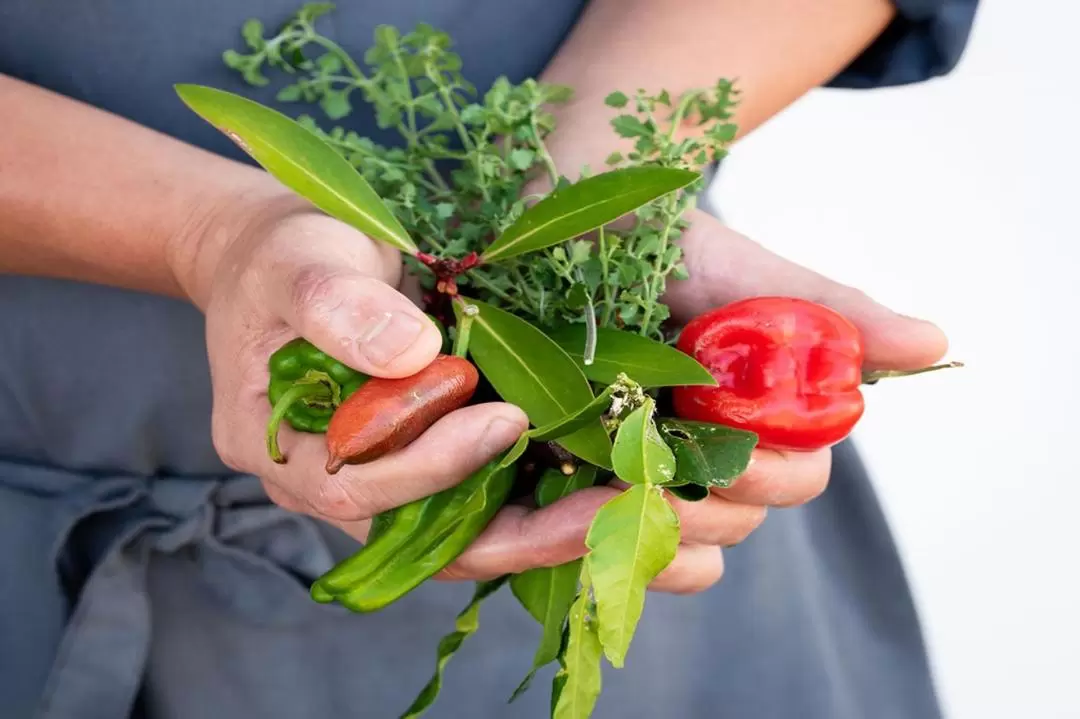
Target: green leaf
575	420
514	453
585	205
710	455
577	684
647	362
547	592
630	126
335	104
614	158
300	160
689	492
640	455
466	624
528	369
616	99
521	158
631	540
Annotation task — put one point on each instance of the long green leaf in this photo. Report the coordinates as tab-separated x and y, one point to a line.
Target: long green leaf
631	540
577	684
640	455
647	362
547	592
709	455
575	420
466	624
528	369
302	161
585	205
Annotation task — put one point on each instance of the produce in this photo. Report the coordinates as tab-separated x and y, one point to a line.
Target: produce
558	308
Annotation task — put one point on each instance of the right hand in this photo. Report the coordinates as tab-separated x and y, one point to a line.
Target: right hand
309	275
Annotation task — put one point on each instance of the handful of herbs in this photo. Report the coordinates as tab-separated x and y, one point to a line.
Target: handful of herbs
560	312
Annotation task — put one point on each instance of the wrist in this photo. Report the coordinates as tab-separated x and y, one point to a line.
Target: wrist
195	252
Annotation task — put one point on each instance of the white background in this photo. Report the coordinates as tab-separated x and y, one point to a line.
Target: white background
957	200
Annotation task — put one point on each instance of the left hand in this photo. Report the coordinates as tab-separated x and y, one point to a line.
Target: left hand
724	266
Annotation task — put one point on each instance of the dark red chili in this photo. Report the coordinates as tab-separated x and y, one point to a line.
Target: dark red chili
384	415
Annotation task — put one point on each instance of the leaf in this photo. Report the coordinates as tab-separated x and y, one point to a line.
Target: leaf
585	205
689	492
466	624
647	362
710	455
614	158
575	420
528	369
300	160
616	99
514	453
577	684
631	540
630	126
335	104
640	455
521	158
547	592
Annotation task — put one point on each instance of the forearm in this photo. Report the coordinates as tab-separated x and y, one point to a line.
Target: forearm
87	195
775	50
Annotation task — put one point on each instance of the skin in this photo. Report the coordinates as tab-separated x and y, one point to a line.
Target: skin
90	196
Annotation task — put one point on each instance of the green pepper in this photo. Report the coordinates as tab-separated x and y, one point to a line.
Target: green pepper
416	541
306	386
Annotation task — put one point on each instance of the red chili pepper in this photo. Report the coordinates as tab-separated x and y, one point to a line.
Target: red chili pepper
786	368
384	415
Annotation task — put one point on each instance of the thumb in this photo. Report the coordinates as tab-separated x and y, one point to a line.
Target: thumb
360	320
725	266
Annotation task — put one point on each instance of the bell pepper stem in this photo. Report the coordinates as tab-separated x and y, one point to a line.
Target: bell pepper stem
464	327
299	391
874	376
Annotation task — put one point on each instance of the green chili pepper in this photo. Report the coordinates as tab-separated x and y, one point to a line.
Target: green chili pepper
306	386
416	541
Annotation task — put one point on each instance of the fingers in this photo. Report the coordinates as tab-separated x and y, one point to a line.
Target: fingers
781	479
695	568
357	319
450	450
725	266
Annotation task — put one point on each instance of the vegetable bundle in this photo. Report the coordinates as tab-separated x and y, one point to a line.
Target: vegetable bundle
560	313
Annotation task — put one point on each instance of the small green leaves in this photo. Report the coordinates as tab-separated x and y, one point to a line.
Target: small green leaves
466	624
709	455
528	369
585	205
632	539
575	420
300	160
648	362
640	455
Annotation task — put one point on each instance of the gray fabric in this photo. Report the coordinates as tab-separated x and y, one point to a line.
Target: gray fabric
139	577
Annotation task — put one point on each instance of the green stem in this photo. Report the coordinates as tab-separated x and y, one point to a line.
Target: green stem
650	299
464	327
680	113
609	305
482	280
299	391
871	377
350	65
541	148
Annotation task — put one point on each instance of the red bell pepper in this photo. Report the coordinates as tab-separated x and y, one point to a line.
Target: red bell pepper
787	369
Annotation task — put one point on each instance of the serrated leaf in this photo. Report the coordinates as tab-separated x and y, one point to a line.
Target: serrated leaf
335	104
466	624
577	684
300	160
575	209
631	540
639	455
547	592
709	455
521	158
616	99
630	126
290	93
647	362
528	369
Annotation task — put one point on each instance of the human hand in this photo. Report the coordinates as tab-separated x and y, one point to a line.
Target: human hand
309	275
724	266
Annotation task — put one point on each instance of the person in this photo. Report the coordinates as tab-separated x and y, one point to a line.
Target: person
149	270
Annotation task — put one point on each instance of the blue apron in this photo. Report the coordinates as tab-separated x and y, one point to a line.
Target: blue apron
140	577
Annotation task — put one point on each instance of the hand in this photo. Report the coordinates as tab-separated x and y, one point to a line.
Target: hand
309	275
724	266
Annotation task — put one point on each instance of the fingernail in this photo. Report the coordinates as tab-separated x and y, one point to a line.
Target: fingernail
387	335
499	434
